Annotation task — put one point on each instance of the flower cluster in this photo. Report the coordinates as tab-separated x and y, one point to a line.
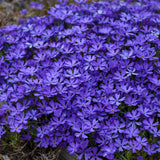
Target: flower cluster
85	77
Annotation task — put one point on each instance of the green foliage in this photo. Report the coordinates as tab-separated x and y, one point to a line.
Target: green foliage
11	140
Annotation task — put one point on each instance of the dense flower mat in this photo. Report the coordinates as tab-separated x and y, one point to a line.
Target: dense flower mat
85	77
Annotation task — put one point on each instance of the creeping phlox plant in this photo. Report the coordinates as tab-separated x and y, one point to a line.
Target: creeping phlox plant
85	77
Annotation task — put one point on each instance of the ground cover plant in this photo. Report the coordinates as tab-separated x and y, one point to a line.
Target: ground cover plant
84	77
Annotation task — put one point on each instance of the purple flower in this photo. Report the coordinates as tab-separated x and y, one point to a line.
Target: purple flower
131	101
109	150
120	76
118	127
22	118
16	127
27	136
23	11
92	125
111	109
116	100
125	88
72	82
155	80
54	141
155	132
149	123
150	149
91	109
71	62
127	54
94	154
44	142
105	30
83	150
2	131
33	114
72	148
142	141
134	115
41	132
121	144
56	121
112	50
36	6
73	73
131	71
29	70
145	111
139	158
132	132
99	64
80	1
81	130
133	145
